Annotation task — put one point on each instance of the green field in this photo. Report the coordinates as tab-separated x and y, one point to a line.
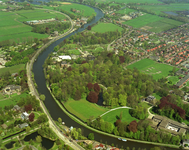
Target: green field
84	10
173	79
12	100
112	116
12	69
148	66
154	23
166	8
156	96
11	26
105	27
75	52
130	1
84	109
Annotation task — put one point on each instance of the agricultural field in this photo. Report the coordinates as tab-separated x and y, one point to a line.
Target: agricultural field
105	27
158	9
129	1
11	26
84	109
85	11
114	115
153	23
13	69
148	66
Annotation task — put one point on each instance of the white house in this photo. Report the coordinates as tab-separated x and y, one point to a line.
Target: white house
65	57
24	115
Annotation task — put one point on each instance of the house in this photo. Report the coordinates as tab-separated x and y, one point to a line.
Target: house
10	89
65	57
90	57
14	74
171	126
16	108
182	81
55	33
100	146
24	115
21	126
4	126
150	98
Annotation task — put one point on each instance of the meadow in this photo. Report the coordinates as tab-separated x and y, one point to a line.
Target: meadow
125	11
84	109
85	11
130	1
12	69
112	116
158	9
105	27
154	23
11	26
148	66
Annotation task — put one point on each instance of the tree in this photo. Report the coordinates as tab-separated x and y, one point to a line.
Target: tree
91	136
31	117
77	95
90	86
60	120
28	108
42	97
92	97
0	142
38	139
133	126
121	59
89	27
96	88
28	128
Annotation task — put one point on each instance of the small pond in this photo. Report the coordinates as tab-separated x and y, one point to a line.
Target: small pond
10	145
171	13
45	142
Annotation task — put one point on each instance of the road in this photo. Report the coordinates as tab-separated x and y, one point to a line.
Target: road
34	92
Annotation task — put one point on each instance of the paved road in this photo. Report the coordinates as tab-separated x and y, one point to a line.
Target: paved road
34	92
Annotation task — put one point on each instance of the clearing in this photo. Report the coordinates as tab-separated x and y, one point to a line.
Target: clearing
114	115
84	109
148	66
105	27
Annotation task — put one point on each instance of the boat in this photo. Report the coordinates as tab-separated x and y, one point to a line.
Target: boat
119	139
124	140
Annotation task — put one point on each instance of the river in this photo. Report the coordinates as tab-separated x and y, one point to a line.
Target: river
54	109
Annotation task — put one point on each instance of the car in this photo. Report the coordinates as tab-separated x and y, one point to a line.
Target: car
71	140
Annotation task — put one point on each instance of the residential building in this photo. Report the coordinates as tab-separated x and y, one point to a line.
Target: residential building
16	108
182	81
11	89
25	116
185	142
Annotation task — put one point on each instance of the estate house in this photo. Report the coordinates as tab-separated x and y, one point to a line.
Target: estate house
163	123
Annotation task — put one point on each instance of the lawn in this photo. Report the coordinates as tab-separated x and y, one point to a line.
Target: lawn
13	69
75	52
105	27
156	96
174	79
12	100
84	109
157	70
113	115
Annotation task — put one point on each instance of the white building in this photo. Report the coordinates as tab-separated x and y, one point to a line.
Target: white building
65	57
25	115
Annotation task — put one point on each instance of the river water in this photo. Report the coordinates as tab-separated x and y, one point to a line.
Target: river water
54	109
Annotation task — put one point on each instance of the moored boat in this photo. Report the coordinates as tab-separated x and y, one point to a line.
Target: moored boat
124	140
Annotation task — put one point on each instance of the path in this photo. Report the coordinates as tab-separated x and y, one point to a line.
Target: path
150	114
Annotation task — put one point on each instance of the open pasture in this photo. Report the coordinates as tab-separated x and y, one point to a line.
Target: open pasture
105	27
112	116
84	10
130	1
148	66
84	109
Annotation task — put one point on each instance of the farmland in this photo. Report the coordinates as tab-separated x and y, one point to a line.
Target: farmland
154	23
11	26
105	27
85	11
113	115
157	70
125	11
84	109
130	1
